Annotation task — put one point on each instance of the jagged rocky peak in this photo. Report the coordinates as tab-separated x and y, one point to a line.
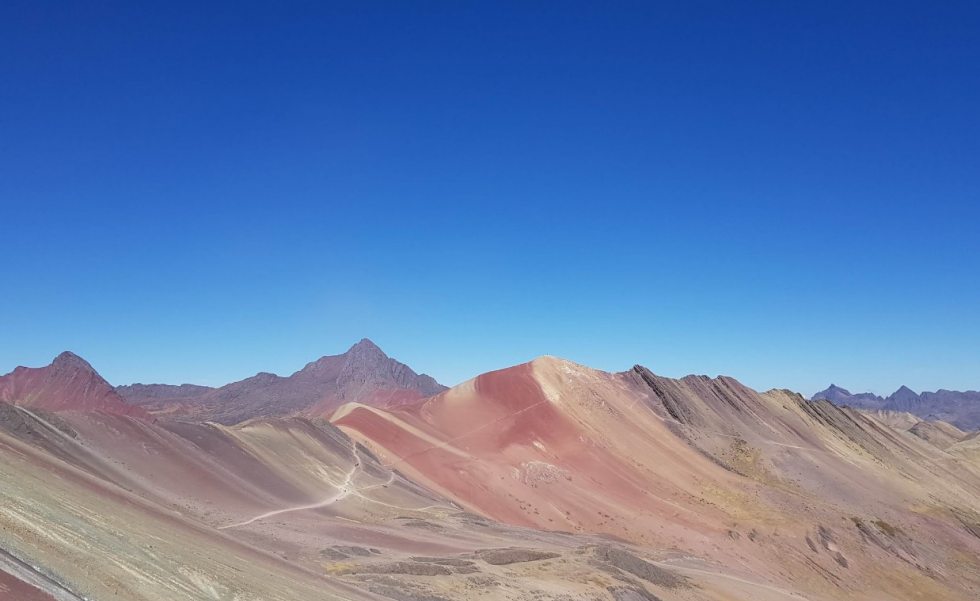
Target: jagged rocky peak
363	373
69	360
904	393
841	396
366	347
366	363
832	393
365	355
903	398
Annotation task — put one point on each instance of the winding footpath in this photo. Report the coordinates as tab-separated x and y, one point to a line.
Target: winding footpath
344	490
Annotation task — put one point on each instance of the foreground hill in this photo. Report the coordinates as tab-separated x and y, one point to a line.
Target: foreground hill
962	409
69	383
363	374
100	506
804	496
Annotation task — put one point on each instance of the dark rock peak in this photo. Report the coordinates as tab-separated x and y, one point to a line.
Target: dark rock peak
366	364
904	398
832	393
362	373
904	391
365	345
365	352
329	366
69	360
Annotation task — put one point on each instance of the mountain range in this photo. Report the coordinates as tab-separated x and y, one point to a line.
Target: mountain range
363	374
355	478
961	409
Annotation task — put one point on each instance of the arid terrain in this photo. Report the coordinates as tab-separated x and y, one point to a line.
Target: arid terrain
355	478
489	301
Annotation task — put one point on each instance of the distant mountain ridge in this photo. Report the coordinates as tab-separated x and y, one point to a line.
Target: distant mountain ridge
841	396
960	408
364	374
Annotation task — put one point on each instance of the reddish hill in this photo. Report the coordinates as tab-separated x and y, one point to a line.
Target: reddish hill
69	383
509	445
801	494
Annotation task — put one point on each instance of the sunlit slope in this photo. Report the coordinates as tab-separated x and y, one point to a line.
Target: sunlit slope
806	495
101	541
98	506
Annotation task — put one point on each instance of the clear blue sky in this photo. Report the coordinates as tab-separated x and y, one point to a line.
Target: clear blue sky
784	192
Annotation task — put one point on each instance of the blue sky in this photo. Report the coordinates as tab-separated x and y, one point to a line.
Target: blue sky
782	192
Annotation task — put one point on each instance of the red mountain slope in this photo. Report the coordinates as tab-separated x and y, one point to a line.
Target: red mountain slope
801	494
69	383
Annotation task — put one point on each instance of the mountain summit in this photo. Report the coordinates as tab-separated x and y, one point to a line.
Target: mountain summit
363	374
903	399
841	396
833	393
